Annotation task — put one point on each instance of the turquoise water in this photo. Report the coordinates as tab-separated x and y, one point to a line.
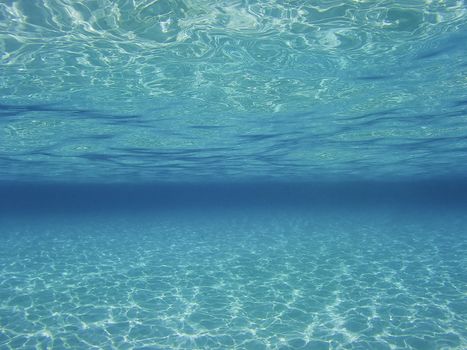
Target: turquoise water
288	280
233	174
295	281
196	90
236	267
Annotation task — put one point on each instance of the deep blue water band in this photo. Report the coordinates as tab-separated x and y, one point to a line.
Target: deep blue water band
167	196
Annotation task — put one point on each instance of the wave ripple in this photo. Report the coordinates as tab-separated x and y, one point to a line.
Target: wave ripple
354	88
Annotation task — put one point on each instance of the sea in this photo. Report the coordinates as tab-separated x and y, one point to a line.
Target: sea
243	174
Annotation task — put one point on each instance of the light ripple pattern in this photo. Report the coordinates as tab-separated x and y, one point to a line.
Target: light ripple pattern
256	281
183	90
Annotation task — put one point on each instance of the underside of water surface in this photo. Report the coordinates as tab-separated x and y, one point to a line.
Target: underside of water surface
179	174
189	90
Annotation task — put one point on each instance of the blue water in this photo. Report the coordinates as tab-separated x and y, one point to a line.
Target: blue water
233	174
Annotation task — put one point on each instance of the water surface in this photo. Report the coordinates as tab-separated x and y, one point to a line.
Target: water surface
243	174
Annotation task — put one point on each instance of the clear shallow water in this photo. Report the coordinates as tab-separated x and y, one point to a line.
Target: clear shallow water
235	280
190	90
233	174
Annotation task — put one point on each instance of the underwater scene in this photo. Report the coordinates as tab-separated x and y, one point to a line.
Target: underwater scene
276	174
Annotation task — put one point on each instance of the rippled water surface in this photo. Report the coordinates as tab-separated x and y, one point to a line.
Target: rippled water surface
179	174
232	89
